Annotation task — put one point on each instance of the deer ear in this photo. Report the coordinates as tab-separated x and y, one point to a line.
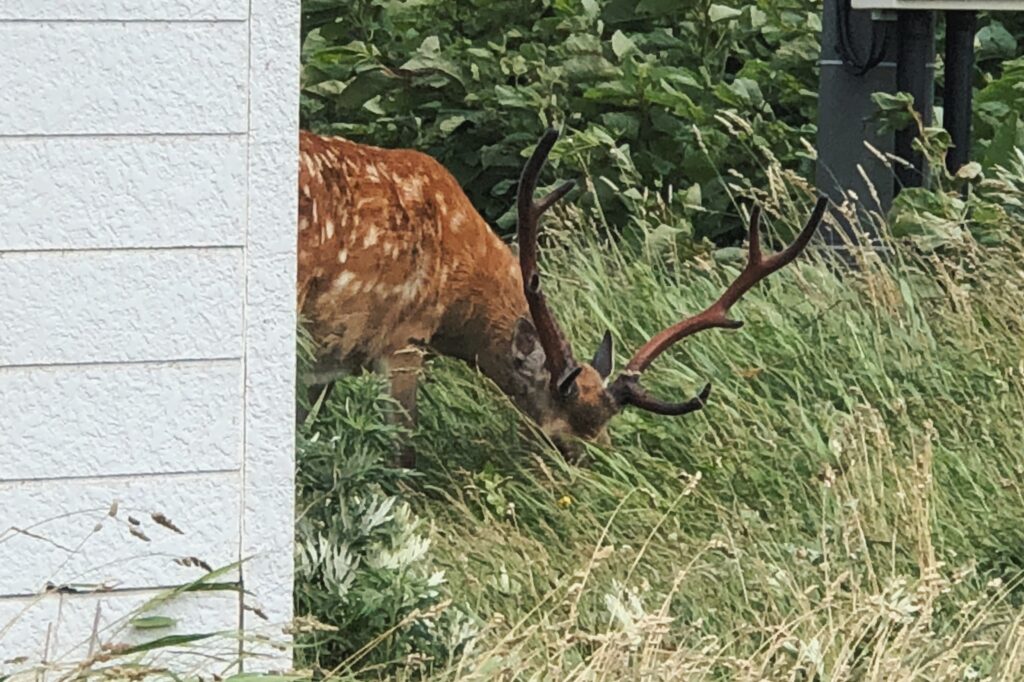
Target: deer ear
602	361
524	339
567	382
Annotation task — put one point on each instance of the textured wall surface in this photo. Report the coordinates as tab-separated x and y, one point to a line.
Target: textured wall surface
122	192
147	316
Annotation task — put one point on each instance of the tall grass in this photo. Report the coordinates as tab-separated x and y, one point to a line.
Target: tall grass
849	505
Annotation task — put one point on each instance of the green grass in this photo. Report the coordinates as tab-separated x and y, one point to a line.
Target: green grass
850	505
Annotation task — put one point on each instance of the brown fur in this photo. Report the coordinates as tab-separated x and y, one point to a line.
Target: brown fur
392	253
414	250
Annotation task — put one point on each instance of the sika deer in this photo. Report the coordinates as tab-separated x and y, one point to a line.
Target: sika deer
394	259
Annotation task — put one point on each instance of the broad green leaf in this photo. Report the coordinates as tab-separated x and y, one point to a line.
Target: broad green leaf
657	7
693	195
969	171
363	88
621	44
1008	137
723	12
449	124
430	46
373	105
995	42
893	111
758	18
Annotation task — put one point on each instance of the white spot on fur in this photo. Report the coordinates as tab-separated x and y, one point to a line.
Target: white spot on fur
413	188
316	219
371	237
303	223
342	256
344	280
458	221
329	228
372	172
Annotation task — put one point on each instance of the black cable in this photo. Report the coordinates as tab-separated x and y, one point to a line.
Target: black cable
876	51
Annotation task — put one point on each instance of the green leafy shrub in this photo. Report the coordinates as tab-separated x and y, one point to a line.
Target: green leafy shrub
639	85
363	569
851	499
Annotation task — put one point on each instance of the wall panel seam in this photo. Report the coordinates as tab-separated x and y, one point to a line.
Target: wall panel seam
210	473
119	22
120	136
120	363
121	249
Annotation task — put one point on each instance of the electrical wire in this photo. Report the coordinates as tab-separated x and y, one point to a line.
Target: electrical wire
846	49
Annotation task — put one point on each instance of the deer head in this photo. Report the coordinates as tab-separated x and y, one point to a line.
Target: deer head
576	399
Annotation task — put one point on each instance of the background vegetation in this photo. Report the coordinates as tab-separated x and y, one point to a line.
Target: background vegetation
639	85
848	507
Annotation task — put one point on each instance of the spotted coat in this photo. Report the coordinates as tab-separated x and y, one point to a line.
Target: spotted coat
391	252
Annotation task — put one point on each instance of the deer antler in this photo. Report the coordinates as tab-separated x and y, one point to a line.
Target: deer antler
558	353
626	388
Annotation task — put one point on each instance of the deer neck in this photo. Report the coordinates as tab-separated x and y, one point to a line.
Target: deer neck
479	328
523	384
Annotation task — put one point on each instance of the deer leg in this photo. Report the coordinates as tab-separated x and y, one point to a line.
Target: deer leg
403	369
320	380
313	392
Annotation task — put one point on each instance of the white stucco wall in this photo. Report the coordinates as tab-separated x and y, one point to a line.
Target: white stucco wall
147	318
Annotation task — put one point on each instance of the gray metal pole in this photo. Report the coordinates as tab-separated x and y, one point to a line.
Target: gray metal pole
958	92
844	125
915	73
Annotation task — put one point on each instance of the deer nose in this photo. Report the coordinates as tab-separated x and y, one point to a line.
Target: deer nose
570	448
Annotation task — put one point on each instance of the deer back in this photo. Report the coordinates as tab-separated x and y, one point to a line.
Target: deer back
390	250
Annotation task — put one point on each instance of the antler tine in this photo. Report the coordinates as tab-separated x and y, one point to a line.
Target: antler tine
630	392
557	351
626	387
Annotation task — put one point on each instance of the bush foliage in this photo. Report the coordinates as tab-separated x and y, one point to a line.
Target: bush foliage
645	90
637	83
849	507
